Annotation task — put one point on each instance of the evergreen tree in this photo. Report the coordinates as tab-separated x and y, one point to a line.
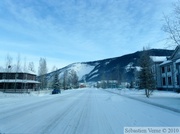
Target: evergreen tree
56	84
146	77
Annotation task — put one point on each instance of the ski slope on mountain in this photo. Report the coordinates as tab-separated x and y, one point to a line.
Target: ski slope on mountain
82	111
81	69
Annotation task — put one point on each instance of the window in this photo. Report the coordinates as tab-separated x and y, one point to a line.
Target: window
177	79
11	75
30	77
1	75
177	67
163	70
19	75
164	81
169	81
169	68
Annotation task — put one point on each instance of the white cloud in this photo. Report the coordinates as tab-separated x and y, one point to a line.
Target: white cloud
74	31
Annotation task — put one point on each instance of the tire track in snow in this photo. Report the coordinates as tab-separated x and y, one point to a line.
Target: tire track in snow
28	108
82	114
102	118
94	116
55	119
61	116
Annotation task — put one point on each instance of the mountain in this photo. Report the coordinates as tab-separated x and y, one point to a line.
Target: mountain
110	69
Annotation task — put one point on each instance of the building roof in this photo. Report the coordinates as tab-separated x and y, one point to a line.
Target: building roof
158	58
169	60
166	62
178	61
14	70
175	51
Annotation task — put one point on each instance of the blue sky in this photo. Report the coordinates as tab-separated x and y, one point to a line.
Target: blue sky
68	31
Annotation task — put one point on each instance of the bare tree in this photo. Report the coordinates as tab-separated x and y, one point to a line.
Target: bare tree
172	24
74	79
25	65
18	69
42	71
18	65
65	79
31	67
8	67
25	75
8	63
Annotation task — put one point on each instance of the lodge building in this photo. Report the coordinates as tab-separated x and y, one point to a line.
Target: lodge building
170	72
11	81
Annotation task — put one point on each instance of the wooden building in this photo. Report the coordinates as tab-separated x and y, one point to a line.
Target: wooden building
11	81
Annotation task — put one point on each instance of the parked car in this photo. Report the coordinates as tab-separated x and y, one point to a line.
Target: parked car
56	91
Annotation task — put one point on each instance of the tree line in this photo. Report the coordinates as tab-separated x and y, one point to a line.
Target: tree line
18	65
69	79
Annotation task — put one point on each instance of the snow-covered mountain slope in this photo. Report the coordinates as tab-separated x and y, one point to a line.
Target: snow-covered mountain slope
81	69
123	66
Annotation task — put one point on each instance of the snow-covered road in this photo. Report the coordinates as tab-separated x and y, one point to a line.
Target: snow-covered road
82	111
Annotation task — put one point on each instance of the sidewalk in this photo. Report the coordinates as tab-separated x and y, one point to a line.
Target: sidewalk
163	99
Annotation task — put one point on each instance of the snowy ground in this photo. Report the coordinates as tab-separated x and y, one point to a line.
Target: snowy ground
166	99
82	111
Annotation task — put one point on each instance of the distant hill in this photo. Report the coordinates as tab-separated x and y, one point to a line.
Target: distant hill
109	68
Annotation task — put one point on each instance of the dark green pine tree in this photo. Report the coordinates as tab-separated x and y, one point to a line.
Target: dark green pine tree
146	76
56	84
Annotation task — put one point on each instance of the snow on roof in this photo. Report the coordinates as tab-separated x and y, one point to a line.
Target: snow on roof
14	70
178	61
158	58
166	62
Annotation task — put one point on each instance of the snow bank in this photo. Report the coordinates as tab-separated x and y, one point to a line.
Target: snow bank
164	98
22	95
13	95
